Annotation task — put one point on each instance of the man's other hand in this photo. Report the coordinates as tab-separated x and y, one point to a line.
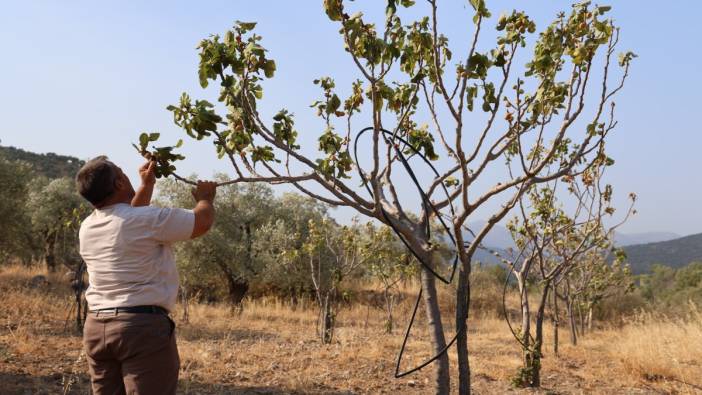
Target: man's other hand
147	174
204	194
205	190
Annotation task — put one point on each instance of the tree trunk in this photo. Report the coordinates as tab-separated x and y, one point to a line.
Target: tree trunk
538	339
525	373
589	319
462	310
556	321
50	255
571	320
237	289
185	301
327	321
442	378
389	322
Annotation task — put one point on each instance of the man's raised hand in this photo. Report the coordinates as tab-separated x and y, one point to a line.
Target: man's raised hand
205	190
147	174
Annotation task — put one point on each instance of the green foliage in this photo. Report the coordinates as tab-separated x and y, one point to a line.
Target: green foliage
15	234
56	211
253	232
672	289
49	165
674	253
163	156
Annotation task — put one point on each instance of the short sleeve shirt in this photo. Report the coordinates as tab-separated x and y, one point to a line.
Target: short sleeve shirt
129	256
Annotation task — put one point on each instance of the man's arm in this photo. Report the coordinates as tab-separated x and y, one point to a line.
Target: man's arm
146	189
204	211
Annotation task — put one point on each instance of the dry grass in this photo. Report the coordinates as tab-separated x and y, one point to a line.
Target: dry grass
269	348
658	348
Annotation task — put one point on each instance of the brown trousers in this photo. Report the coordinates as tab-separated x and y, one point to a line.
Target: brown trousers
131	353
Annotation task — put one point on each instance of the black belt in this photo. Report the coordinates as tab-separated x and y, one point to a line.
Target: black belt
133	309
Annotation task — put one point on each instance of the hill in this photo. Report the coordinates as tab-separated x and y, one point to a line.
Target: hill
50	164
674	253
500	238
626	239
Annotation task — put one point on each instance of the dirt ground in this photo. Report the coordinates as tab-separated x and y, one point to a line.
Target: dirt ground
270	348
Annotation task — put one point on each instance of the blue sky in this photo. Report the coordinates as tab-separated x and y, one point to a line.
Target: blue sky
84	78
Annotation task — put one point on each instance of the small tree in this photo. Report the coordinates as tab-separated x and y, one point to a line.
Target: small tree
601	274
16	241
234	247
288	273
389	262
333	253
554	242
53	208
408	69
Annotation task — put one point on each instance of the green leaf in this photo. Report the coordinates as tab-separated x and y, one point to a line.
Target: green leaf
143	141
246	26
269	68
154	136
333	104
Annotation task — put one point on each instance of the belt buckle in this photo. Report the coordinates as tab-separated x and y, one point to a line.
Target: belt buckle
110	310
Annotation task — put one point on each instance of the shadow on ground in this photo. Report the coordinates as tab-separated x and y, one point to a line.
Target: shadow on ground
25	384
196	388
22	383
196	333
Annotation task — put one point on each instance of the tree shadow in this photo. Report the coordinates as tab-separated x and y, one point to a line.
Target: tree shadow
193	333
22	383
196	388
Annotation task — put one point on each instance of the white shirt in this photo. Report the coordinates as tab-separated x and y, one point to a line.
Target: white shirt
129	257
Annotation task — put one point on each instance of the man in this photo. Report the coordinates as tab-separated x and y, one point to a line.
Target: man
128	337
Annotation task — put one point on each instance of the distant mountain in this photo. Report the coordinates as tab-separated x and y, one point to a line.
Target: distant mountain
625	239
674	253
498	237
643	249
50	164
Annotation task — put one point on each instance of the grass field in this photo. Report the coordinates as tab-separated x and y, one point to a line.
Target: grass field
270	348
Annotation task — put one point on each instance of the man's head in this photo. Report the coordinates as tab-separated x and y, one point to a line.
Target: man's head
103	183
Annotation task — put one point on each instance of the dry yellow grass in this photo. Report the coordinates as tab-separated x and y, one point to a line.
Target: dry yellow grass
269	348
658	348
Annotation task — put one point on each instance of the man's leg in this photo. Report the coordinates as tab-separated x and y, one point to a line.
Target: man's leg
150	362
105	370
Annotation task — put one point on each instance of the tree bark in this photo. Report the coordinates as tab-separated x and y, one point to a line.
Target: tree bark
50	255
571	320
539	339
462	310
327	321
389	323
524	377
555	321
442	378
237	289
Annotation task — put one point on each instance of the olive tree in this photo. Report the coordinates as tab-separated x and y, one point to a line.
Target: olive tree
533	111
16	239
288	273
233	249
53	208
